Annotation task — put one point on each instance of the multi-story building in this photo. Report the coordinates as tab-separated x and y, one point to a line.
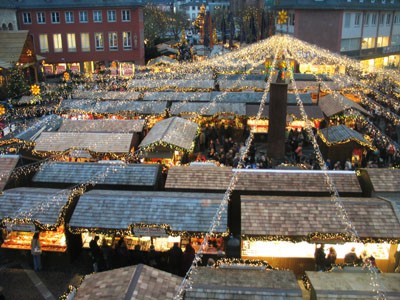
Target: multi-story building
192	7
8	16
238	6
368	30
84	35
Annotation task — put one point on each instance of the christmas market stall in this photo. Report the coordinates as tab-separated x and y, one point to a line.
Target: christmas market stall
108	95
148	218
162	84
177	96
337	104
284	230
168	140
25	210
339	143
7	165
242	82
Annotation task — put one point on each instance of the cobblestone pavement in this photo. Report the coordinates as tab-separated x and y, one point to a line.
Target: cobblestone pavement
19	281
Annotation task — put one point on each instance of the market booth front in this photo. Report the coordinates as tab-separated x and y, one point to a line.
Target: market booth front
148	218
25	210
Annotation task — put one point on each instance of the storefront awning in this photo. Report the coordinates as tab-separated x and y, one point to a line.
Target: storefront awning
100	125
133	175
303	217
119	210
7	165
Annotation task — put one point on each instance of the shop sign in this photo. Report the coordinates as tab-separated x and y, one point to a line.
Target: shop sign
148	231
20	227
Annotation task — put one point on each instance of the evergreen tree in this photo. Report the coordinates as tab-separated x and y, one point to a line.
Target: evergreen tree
17	86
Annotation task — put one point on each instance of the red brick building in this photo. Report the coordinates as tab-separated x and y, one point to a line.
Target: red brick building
85	35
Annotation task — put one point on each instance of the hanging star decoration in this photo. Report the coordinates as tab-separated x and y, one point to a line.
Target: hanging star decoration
35	90
66	76
282	17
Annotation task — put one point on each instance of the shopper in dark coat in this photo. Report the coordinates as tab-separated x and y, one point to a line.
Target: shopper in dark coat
188	257
175	256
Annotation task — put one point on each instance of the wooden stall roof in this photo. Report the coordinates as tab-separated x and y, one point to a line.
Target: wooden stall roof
301	216
243	283
77	104
173	131
41	204
106	95
384	180
93	141
208	109
102	125
26	100
312	111
125	283
49	123
7	165
260	180
335	104
174	84
342	133
177	96
12	45
254	97
104	173
246	84
351	285
111	209
139	107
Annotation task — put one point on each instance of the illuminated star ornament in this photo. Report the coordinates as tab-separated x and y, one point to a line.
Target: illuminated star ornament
282	17
35	89
66	76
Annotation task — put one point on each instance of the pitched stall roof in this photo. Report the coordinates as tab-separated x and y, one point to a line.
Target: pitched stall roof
171	84
49	123
384	180
302	216
208	109
42	204
333	104
92	141
121	126
173	131
143	175
342	134
117	210
254	97
128	282
109	95
12	46
266	181
312	111
177	96
243	283
7	165
352	285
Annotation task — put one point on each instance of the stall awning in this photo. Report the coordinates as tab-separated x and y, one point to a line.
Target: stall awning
175	131
208	109
118	210
301	217
7	165
312	111
335	104
45	205
96	142
342	134
135	175
177	96
118	126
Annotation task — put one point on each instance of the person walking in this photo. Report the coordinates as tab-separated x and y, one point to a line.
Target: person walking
36	251
95	252
175	256
319	256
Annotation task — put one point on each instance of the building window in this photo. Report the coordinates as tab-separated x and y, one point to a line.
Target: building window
69	17
366	19
43	43
291	19
41	17
347	18
113	40
83	16
368	43
127	38
111	16
99	41
373	19
382	41
357	19
350	44
381	19
55	17
85	42
397	19
388	18
57	41
71	41
126	15
97	17
395	41
26	18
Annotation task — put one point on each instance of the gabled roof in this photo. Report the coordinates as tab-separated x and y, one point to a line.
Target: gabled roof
139	175
260	180
312	111
335	104
96	142
243	283
342	134
12	45
173	131
303	216
177	96
49	123
117	210
42	204
125	283
102	125
384	180
174	84
208	109
7	165
110	95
